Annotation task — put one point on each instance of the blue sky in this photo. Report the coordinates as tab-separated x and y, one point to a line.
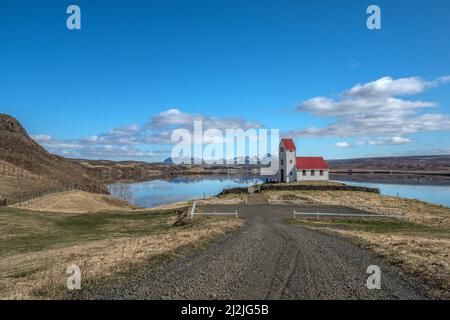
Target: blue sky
110	89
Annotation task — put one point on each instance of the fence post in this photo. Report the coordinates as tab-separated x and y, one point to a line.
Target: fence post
193	210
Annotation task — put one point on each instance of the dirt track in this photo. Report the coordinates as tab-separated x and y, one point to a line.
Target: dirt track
269	259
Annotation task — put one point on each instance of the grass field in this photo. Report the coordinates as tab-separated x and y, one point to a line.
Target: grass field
392	227
37	247
414	210
23	231
307	183
76	201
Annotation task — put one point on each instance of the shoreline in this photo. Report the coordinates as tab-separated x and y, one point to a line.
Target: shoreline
356	176
396	178
336	180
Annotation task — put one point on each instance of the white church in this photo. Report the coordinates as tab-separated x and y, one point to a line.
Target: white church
293	168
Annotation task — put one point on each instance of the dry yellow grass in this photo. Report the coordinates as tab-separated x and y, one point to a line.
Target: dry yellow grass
85	202
75	202
309	183
12	188
414	210
224	199
101	248
166	207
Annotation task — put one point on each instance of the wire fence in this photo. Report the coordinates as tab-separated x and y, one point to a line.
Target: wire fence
317	215
25	198
18	173
23	177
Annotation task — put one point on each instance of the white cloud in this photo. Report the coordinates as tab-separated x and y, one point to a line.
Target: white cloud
343	144
375	109
387	141
42	137
176	118
326	107
125	130
443	79
162	125
388	87
128	141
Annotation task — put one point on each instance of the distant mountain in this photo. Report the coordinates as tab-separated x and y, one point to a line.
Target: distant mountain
181	160
21	155
247	160
419	164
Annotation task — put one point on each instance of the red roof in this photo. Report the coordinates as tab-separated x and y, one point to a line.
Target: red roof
311	163
288	144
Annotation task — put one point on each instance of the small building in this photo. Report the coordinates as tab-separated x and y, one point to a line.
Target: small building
293	168
312	168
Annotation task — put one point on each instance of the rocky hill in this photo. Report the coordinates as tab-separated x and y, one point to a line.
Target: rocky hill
22	159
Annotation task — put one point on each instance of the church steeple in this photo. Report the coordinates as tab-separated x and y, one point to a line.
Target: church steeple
287	156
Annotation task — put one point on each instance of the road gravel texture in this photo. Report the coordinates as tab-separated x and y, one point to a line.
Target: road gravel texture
270	259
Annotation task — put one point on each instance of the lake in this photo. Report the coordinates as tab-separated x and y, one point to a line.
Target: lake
158	192
153	193
439	194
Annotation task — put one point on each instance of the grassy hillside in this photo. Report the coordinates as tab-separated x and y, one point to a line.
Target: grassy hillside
27	167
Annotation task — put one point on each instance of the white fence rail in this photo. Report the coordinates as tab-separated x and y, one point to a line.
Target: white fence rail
235	213
298	201
344	215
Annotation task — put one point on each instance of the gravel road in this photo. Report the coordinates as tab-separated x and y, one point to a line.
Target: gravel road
269	259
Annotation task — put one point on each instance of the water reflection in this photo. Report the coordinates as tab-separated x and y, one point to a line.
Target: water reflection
158	192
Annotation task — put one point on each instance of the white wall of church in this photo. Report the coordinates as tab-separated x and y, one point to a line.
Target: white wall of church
310	177
287	165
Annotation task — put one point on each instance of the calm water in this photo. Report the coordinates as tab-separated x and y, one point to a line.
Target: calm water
434	194
158	192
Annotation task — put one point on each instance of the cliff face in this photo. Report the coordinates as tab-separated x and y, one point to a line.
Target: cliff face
20	151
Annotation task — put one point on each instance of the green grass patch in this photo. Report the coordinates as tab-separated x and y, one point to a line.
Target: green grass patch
23	231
